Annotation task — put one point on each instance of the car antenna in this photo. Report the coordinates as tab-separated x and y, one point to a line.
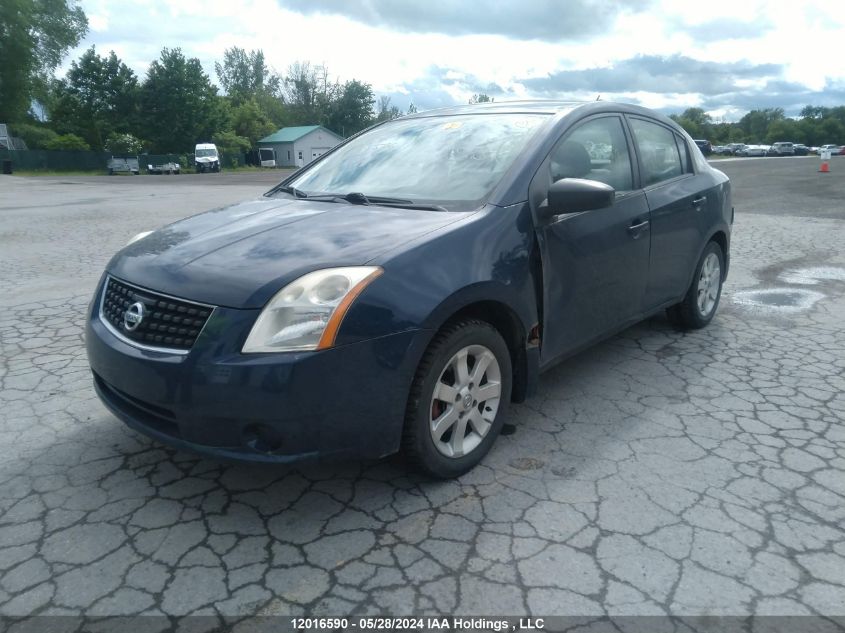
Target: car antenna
598	98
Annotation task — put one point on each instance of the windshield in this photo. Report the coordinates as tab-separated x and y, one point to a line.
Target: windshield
206	152
453	161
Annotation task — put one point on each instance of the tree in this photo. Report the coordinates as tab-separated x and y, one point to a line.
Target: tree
118	143
353	110
691	127
697	116
696	122
832	131
387	112
34	37
99	96
814	112
67	142
35	136
783	130
232	145
309	94
249	121
480	98
179	105
244	75
756	123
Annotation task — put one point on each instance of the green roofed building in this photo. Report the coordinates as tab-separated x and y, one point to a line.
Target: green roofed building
298	146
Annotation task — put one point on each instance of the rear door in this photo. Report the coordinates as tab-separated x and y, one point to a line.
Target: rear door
595	263
676	197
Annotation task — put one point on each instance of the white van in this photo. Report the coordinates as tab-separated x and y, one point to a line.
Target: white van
206	157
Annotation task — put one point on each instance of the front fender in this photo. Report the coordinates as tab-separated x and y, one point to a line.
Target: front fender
484	257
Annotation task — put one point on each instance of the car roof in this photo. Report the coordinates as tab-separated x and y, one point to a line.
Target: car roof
539	106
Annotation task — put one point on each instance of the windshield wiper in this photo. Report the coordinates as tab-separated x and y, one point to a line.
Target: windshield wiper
356	197
382	201
419	206
297	193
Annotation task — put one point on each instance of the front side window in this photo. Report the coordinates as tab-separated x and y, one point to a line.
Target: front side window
595	150
450	160
659	154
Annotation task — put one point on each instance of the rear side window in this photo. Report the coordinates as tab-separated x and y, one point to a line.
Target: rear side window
595	150
659	155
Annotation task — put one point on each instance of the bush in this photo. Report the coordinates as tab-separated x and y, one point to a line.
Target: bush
121	143
35	136
67	142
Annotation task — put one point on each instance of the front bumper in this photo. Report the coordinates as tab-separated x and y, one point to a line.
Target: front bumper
347	401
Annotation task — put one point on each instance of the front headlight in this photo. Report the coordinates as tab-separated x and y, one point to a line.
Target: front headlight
140	236
306	314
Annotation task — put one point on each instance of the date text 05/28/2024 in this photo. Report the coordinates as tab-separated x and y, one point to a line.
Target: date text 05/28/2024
452	623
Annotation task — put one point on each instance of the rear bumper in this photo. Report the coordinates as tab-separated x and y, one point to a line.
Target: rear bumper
347	401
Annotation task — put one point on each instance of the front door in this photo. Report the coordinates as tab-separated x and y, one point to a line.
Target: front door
595	263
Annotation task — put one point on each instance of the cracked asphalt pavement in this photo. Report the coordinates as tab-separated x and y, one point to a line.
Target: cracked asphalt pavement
659	472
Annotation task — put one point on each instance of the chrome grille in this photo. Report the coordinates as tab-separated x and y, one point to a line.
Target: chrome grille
167	322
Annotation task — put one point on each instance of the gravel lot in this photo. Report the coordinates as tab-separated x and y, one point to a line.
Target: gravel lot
657	473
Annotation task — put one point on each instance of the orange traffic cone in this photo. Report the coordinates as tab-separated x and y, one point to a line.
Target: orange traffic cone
825	168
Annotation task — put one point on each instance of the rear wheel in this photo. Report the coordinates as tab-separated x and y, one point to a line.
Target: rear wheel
457	401
699	304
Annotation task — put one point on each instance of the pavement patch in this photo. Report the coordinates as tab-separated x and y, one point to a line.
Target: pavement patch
782	300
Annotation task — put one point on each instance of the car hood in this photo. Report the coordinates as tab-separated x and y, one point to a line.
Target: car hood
240	256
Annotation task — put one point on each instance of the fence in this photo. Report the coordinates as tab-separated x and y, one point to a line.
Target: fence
38	159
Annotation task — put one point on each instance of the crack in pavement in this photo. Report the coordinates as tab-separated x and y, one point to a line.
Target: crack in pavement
660	472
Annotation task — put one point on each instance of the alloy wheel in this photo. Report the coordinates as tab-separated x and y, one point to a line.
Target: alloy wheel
709	281
465	401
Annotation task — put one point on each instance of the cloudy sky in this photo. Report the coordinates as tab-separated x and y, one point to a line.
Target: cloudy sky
726	56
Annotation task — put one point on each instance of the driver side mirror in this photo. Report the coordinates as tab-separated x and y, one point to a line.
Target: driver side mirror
574	195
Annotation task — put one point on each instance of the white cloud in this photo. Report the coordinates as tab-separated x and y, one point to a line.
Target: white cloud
800	39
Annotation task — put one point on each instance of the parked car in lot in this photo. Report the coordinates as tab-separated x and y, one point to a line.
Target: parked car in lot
834	149
800	149
399	291
781	148
159	166
754	150
705	146
736	148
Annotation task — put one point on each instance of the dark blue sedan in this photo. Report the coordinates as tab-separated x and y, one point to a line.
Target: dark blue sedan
400	291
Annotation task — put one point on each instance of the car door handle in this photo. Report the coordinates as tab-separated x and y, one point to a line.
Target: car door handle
637	229
698	202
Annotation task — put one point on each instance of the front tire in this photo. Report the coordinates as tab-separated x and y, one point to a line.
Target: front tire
457	400
702	299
